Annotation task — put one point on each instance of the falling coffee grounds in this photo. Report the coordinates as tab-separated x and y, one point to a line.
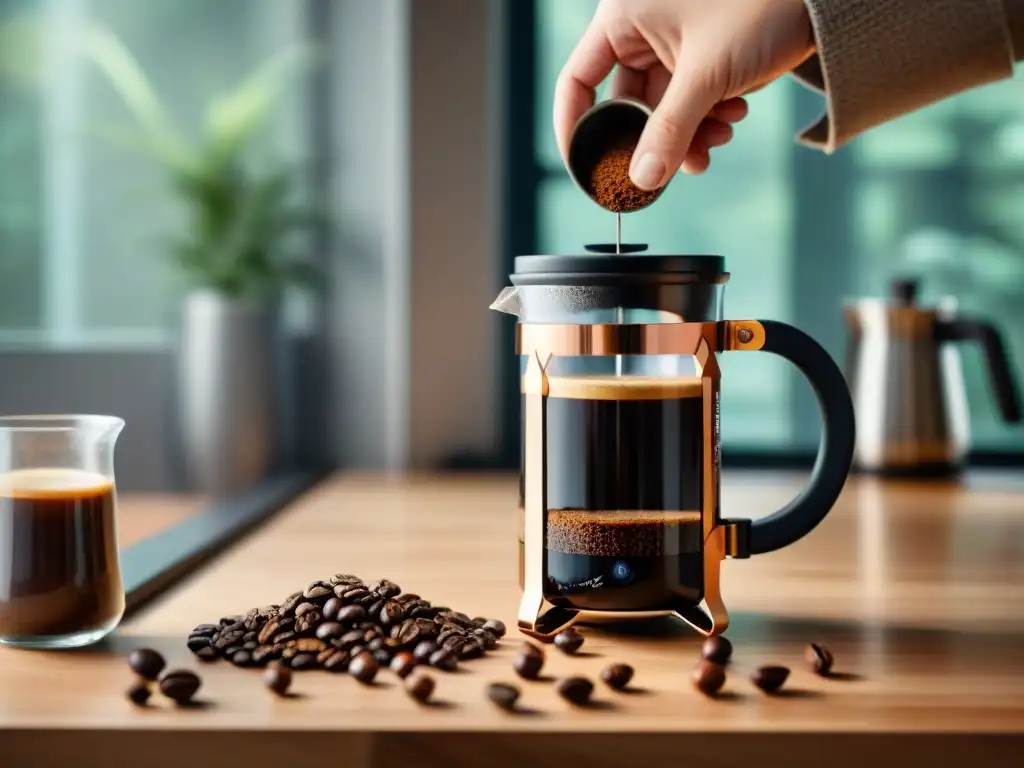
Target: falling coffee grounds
344	624
610	183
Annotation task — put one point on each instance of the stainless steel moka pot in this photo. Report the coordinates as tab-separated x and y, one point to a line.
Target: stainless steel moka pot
904	373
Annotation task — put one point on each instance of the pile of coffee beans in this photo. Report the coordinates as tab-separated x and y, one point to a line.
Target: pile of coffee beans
179	685
343	624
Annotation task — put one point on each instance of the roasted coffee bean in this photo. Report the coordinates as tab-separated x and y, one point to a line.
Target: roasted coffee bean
408	634
331	609
479	621
363	668
241	659
227	621
334	660
617	676
407	597
238	626
283	637
717	650
303	661
375	644
528	662
303	609
375	608
231	650
503	695
206	630
278	678
180	685
454	643
307	623
287	609
403	664
769	679
459	620
289	652
138	693
709	677
351	614
472	648
444	660
318	591
568	641
273	628
329	631
819	658
420	686
228	638
195	642
449	632
575	690
345	578
354	595
382	656
391	614
249	637
257	617
355	650
423	612
309	645
251	645
350	639
386	589
263	655
371	631
423	651
209	653
495	626
487	638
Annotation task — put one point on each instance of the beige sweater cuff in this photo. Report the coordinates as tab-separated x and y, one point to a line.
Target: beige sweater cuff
879	59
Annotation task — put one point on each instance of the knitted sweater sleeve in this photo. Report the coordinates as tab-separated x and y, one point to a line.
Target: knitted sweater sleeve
879	59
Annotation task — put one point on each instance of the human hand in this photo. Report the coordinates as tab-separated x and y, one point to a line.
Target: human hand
692	60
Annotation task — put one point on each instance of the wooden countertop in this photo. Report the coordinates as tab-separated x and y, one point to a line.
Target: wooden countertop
918	589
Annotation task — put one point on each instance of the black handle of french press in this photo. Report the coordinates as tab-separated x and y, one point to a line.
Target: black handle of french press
835	451
1003	381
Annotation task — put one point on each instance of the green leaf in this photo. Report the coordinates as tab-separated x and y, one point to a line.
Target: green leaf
232	119
172	156
127	77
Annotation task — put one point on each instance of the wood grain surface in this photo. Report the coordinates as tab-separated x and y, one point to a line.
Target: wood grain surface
918	589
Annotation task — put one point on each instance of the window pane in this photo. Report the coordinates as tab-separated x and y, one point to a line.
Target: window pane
950	212
84	217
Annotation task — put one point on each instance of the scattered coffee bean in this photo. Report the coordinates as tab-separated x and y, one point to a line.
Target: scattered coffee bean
717	650
423	651
769	679
206	654
303	661
277	678
146	663
444	660
575	690
708	677
819	658
138	693
617	676
363	668
495	626
529	662
420	686
196	643
503	695
403	664
180	686
568	641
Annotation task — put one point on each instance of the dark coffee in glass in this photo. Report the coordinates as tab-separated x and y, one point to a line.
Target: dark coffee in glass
625	458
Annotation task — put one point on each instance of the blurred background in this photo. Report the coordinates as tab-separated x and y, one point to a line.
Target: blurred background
419	136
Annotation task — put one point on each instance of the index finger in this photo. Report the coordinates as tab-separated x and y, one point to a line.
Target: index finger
590	63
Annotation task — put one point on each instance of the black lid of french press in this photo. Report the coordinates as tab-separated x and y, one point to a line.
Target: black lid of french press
602	266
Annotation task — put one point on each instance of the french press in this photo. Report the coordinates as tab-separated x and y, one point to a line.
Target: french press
619	486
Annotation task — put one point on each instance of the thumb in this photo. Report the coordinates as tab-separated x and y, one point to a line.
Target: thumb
670	129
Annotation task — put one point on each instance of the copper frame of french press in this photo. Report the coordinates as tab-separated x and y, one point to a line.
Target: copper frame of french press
721	538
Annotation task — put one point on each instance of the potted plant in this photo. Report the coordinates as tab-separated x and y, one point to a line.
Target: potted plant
237	255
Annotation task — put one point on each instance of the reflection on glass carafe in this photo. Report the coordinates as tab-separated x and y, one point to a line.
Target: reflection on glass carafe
60	574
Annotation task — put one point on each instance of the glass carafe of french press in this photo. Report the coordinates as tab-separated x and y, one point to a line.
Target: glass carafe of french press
621	452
